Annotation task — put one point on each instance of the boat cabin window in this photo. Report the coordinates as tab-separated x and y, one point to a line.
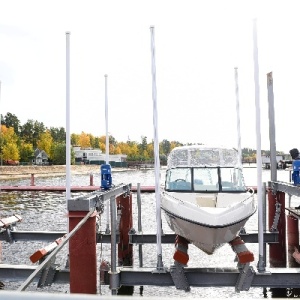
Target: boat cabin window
213	179
232	179
179	179
206	179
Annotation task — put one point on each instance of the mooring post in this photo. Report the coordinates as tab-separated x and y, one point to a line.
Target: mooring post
293	239
125	256
125	249
82	254
32	180
91	180
277	222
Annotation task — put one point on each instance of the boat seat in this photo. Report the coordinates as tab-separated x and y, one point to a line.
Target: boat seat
206	201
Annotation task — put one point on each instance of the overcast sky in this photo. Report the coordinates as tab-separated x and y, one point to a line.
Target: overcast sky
198	45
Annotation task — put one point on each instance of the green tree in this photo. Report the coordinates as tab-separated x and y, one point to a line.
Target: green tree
58	134
59	154
26	132
11	120
165	147
26	152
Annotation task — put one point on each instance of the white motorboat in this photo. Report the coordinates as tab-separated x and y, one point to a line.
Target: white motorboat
204	198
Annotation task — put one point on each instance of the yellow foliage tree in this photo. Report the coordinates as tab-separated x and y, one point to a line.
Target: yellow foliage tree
75	139
84	140
118	150
45	142
9	141
10	151
124	148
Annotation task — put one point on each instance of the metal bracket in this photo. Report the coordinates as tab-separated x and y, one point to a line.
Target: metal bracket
276	217
245	278
48	273
8	235
178	277
273	188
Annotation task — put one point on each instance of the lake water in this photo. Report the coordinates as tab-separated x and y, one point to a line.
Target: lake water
47	211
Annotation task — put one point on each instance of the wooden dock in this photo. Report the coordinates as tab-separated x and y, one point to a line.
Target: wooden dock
88	188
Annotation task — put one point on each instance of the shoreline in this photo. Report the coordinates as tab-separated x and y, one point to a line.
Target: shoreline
16	172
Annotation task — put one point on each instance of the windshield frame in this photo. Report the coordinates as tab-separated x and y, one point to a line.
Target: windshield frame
205	180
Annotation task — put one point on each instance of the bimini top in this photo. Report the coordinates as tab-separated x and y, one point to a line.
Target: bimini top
201	156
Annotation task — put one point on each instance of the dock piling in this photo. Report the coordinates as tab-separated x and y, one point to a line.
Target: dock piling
277	251
82	251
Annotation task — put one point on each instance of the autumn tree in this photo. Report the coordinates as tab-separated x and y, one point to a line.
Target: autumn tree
45	142
9	144
75	139
84	140
10	151
102	143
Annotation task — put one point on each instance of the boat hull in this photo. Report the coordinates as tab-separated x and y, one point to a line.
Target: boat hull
207	228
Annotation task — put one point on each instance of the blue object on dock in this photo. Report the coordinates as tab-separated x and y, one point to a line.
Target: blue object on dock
106	179
296	172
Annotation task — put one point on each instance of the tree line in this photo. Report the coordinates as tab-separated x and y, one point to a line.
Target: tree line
19	141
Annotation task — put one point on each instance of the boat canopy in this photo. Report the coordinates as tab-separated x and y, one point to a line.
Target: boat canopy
201	156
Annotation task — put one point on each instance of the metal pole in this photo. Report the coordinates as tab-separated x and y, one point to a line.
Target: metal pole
238	114
258	142
106	124
107	230
156	154
68	134
272	127
261	265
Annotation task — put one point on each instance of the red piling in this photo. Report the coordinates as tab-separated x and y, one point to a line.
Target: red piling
125	251
32	180
277	251
91	180
293	239
82	254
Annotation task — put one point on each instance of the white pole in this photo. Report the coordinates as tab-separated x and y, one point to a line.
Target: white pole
258	142
106	124
156	155
238	113
68	136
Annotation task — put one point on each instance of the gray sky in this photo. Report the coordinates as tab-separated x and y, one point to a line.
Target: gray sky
198	45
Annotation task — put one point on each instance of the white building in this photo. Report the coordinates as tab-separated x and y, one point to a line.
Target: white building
90	155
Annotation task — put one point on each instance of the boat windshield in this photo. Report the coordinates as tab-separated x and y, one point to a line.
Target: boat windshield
214	179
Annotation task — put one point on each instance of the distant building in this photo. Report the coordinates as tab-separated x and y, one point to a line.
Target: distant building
40	157
95	156
283	161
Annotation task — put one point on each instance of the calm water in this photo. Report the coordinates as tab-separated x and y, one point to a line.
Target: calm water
47	211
